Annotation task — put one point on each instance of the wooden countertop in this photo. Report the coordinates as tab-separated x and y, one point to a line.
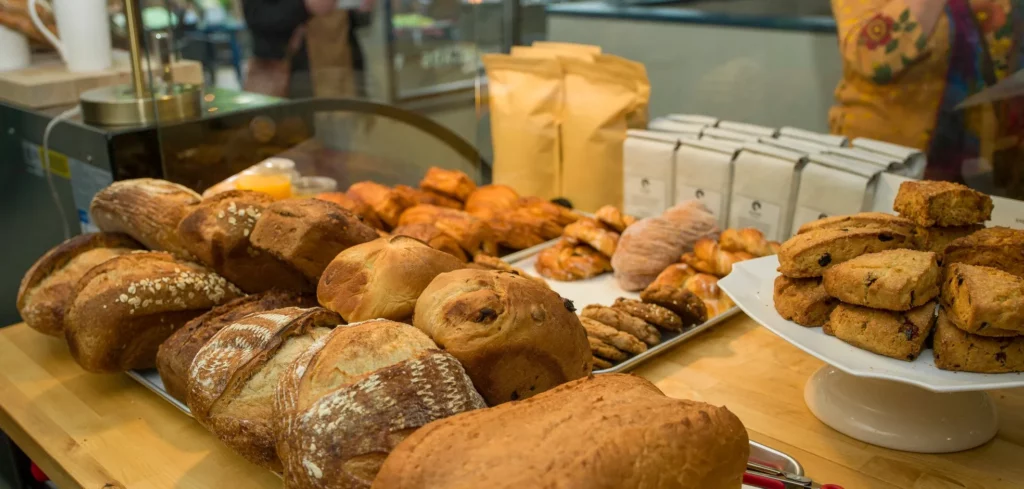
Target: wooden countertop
106	431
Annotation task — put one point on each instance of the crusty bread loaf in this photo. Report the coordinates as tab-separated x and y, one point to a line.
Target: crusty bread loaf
382	278
308	233
611	431
175	355
233	378
217	232
355	394
46	289
125	307
146	209
515	337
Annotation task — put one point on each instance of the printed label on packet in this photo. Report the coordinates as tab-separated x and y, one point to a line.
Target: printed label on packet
644	197
804	215
710	198
760	214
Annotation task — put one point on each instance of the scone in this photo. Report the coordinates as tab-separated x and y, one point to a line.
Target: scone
803	300
996	247
960	351
899	335
869	220
895	280
932	203
938	238
983	300
810	254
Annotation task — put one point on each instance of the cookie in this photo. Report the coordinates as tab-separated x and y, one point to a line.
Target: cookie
933	203
601	349
811	253
958	350
996	247
895	280
623	322
619	339
899	335
983	300
803	300
652	313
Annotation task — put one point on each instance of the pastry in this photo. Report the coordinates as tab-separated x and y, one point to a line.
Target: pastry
694	220
611	431
957	350
47	288
125	307
937	239
899	335
652	313
567	262
645	249
747	240
614	218
619	339
996	247
603	350
710	258
453	183
233	378
983	300
146	209
588	231
803	300
216	231
472	234
623	322
515	337
387	203
417	196
308	233
869	220
690	308
520	228
433	237
810	254
490	200
705	287
549	211
895	280
361	209
933	203
382	278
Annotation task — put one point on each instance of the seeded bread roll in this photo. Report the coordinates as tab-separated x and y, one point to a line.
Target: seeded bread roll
217	232
124	308
146	209
933	203
47	288
355	394
308	233
894	280
515	338
810	254
175	355
233	378
609	431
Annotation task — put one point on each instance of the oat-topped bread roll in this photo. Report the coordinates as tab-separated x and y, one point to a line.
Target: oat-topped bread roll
811	253
490	200
932	203
452	183
48	287
175	355
610	431
355	394
996	247
125	307
515	337
233	379
895	280
433	237
217	230
387	203
146	209
983	300
308	233
382	278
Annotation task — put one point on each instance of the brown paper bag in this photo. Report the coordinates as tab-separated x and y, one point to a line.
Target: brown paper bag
525	96
597	99
568	46
551	53
638	115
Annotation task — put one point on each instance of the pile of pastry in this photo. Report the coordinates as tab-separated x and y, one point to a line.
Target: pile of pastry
433	353
888	284
450	213
586	247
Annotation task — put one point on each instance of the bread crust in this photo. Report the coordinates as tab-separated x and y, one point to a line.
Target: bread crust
147	209
47	287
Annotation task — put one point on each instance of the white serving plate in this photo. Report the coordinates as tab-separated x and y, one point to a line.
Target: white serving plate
751	286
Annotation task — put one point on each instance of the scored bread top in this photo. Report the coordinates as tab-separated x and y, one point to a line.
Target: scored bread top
146	209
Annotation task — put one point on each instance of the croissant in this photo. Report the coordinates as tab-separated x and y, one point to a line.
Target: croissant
358	207
706	287
433	237
590	232
708	257
418	196
612	217
490	200
473	235
452	183
388	204
749	240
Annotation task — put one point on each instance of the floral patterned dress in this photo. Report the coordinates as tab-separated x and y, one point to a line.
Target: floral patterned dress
900	83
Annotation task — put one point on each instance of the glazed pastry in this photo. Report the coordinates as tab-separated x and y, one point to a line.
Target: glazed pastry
705	286
568	262
433	237
708	257
361	209
588	231
427	197
748	240
387	203
472	234
612	217
453	183
490	200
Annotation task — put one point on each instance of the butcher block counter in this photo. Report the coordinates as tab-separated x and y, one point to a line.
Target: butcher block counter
107	431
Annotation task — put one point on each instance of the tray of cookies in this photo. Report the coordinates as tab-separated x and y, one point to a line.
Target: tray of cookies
929	297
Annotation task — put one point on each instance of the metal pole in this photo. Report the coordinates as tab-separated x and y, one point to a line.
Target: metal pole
512	24
133	18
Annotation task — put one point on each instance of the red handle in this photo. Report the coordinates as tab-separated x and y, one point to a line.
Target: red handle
831	486
762	482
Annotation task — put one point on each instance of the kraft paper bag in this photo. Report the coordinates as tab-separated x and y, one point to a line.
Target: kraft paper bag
637	117
597	99
526	96
550	53
568	46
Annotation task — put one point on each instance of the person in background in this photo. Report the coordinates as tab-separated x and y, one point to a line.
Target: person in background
280	64
908	63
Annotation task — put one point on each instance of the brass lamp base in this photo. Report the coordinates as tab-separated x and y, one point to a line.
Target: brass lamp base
119	106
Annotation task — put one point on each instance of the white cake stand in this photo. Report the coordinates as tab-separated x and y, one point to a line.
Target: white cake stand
910	406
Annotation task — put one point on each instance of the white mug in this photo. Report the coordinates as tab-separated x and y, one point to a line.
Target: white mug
14	52
84	30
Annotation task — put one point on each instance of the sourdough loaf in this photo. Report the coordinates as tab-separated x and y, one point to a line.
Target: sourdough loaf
125	307
47	288
355	394
611	431
233	378
146	209
515	338
175	355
